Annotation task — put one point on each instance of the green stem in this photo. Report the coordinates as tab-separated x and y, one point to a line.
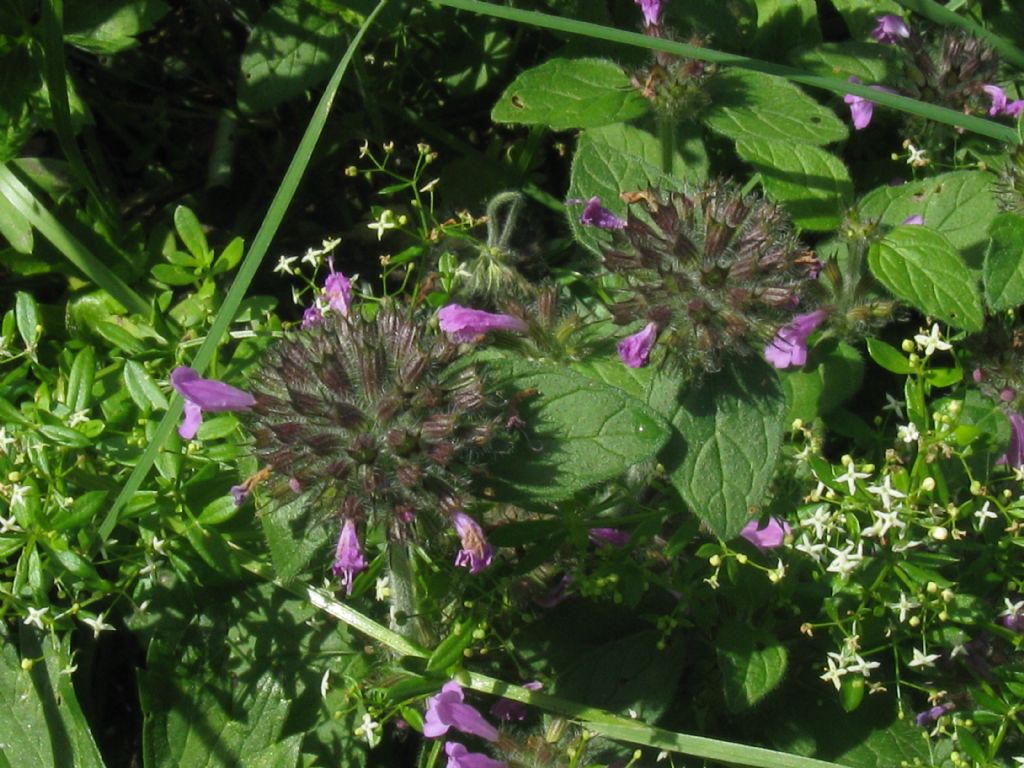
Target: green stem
938	114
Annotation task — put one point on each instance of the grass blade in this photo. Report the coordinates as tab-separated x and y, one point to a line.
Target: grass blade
941	15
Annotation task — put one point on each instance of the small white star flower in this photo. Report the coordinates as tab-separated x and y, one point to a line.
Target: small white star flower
284	264
886	492
5	440
820	521
985	513
850	477
384	223
929	342
918	158
35	616
904	606
382	589
846	560
812	550
908	433
97	625
834	672
1012	609
922	659
893	405
18	494
884	520
78	417
862	666
368	730
10	525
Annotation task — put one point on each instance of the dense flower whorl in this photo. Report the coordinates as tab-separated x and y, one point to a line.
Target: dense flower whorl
718	271
373	419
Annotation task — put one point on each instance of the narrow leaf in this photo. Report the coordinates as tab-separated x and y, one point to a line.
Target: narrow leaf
1004	263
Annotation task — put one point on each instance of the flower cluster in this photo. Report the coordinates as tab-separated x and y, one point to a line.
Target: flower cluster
714	273
448	710
374	420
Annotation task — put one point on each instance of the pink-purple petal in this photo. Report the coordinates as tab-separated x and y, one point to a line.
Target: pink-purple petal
772	535
635	350
466	324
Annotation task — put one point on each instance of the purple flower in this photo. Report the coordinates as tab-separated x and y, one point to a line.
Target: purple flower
861	109
652	11
929	716
509	710
1000	106
890	30
476	553
205	395
464	324
338	290
635	350
915	220
447	709
789	347
241	493
348	557
596	215
312	316
460	757
771	536
1014	455
612	536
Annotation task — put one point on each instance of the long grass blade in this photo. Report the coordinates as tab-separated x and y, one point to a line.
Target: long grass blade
246	271
26	203
971	123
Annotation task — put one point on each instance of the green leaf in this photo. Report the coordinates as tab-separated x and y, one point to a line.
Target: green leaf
142	388
959	204
898	744
890	358
191	233
832	376
78	395
752	105
294	540
812	184
293	48
920	266
622	158
868	62
627	675
65	436
26	313
449	651
1004	263
14	227
753	664
570	93
579	432
109	26
795	21
41	721
732	426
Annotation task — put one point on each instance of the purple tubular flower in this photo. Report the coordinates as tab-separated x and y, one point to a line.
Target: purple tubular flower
771	536
596	215
1000	104
205	395
861	109
890	30
460	757
635	350
610	536
338	290
465	324
929	716
789	347
1014	455
241	493
312	316
448	709
348	557
915	220
652	11
476	553
509	710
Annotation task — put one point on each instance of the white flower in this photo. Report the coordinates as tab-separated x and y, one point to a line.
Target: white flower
812	550
368	730
894	405
884	520
284	264
10	525
820	521
908	433
1012	609
918	157
18	494
35	616
98	625
922	659
384	223
886	492
325	683
78	417
382	589
904	606
834	671
5	440
931	341
985	513
862	666
846	560
850	477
